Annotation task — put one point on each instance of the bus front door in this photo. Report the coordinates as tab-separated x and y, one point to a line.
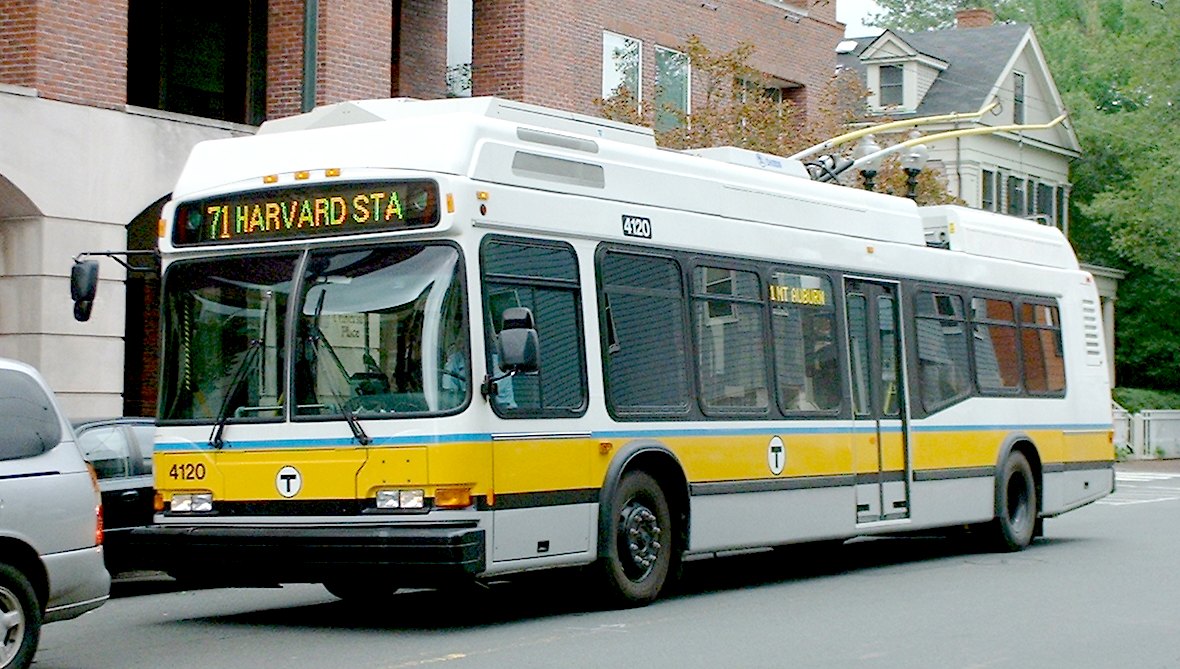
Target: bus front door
880	439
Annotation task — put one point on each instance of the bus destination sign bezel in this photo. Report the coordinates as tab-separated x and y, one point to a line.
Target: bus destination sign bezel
311	210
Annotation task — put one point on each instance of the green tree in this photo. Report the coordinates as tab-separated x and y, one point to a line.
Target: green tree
1117	67
918	15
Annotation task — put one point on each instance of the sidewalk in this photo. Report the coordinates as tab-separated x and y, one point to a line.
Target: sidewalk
1170	465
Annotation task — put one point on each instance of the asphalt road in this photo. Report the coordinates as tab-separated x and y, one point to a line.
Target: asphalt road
1101	589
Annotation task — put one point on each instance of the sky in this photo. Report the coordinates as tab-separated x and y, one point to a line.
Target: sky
852	12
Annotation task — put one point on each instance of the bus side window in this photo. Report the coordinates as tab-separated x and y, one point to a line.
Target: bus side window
645	344
943	364
543	278
806	362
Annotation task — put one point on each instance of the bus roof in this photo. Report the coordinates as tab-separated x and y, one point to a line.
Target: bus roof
498	141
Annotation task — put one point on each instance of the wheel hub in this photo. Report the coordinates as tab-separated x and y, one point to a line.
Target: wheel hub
640	533
12	626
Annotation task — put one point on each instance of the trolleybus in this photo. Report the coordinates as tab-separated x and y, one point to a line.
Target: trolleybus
418	342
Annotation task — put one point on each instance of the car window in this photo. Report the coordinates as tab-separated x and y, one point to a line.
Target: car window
145	437
29	425
106	447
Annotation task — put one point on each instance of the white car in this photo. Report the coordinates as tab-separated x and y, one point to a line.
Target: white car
51	559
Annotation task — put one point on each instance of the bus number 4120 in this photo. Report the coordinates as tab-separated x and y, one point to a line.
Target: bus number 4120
636	226
187	471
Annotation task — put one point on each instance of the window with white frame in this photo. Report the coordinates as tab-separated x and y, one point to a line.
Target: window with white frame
673	88
622	63
1045	204
987	191
1015	196
1017	97
890	90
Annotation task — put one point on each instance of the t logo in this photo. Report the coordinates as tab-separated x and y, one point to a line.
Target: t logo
288	481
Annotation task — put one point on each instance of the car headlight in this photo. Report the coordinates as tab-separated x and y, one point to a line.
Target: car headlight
401	499
197	502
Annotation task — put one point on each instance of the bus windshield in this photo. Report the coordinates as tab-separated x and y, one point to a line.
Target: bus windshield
381	331
378	332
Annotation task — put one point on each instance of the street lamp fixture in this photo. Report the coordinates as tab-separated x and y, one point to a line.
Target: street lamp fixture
912	163
868	146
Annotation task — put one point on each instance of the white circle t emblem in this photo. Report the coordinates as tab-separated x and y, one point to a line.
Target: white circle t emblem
288	481
776	455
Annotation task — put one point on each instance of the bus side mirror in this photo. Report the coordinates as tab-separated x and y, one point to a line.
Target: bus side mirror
519	350
83	287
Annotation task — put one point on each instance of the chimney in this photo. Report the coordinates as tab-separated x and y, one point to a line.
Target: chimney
974	18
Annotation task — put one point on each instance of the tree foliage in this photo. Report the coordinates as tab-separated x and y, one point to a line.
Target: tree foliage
733	106
918	15
1117	67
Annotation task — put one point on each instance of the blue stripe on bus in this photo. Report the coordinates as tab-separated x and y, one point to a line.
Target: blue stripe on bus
858	428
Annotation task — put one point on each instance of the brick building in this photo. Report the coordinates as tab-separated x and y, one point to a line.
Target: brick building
101	101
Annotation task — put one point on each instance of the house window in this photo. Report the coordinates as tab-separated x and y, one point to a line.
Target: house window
987	195
622	61
1045	211
1030	193
1015	196
1017	97
203	59
673	80
1061	212
890	84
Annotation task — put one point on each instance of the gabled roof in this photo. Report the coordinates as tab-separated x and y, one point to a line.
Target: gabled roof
976	59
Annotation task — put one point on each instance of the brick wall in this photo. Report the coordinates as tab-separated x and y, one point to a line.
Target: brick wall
550	51
354	49
498	48
284	57
423	56
17	37
69	50
353	53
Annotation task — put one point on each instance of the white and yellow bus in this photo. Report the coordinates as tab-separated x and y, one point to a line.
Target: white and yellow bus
413	342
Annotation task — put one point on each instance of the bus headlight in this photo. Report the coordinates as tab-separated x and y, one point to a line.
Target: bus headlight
198	502
401	499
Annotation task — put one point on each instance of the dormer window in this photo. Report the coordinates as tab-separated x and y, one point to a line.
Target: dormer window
1017	97
891	93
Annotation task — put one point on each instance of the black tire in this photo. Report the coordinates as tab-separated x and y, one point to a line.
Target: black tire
20	619
639	545
1016	504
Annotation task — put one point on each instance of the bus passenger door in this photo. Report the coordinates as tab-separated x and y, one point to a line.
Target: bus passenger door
880	439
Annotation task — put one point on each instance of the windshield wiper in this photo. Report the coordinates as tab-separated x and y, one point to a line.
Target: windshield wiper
317	338
252	351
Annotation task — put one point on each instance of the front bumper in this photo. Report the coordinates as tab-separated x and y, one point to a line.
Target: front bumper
408	554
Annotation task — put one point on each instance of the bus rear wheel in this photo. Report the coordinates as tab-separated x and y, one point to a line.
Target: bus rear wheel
639	545
1016	504
20	619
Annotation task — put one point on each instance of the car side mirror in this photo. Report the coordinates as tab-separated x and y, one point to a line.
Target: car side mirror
83	287
519	348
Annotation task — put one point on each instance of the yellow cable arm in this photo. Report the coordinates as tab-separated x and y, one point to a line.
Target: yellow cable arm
883	127
949	134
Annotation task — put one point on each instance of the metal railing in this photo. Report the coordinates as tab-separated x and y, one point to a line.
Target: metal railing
1148	434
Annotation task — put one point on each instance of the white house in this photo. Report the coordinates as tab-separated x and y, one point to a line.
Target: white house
981	65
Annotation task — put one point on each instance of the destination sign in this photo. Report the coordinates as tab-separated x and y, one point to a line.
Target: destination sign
343	208
794	295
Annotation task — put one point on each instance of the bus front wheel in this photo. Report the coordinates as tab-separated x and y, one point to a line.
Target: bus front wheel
639	541
1016	504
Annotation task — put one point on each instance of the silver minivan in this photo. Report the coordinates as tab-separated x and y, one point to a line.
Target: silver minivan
51	560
